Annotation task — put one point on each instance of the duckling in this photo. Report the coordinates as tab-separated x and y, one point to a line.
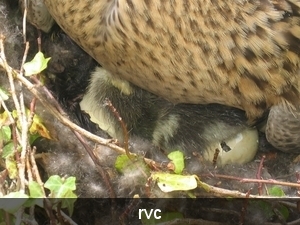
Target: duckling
243	54
187	127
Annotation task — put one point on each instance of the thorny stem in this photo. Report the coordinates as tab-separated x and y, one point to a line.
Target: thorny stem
258	174
250	180
32	111
270	181
221	192
98	166
123	125
29	172
244	208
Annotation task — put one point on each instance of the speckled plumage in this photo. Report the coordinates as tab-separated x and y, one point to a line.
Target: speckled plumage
235	52
241	53
283	128
37	14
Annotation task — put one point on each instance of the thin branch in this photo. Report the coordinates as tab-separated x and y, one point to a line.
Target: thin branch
221	192
258	174
270	181
123	125
35	168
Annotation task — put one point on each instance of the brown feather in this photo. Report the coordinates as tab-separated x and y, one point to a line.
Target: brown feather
235	52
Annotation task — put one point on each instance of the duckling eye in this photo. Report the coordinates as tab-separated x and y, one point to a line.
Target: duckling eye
225	147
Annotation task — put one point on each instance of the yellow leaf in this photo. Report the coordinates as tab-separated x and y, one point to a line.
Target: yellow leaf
11	167
174	182
4	119
38	127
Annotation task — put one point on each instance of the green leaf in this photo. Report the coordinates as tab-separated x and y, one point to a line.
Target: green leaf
69	201
37	65
11	166
33	138
70	183
63	189
276	191
35	190
13	201
60	187
4	119
54	183
8	150
4	95
284	212
122	161
5	134
34	201
2	217
264	207
178	159
174	182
